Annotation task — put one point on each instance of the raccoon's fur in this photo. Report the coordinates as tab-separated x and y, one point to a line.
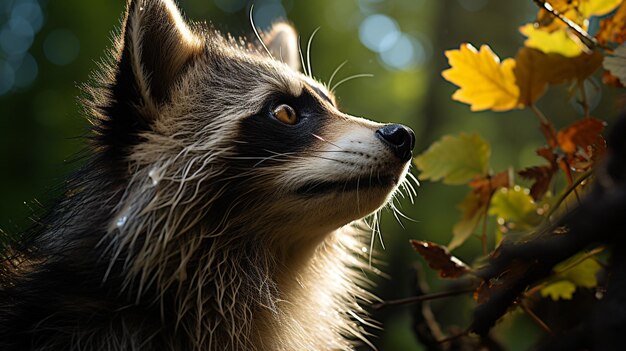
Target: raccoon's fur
215	210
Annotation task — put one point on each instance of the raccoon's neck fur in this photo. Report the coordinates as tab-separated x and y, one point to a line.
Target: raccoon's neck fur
232	288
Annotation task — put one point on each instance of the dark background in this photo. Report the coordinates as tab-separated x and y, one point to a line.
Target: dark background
48	48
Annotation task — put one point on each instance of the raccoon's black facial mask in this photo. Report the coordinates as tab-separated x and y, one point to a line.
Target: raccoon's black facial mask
268	137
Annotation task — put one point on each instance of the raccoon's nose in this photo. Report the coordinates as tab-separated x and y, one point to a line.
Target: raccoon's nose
399	138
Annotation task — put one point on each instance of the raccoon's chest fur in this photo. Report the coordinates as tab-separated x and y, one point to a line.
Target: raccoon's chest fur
219	209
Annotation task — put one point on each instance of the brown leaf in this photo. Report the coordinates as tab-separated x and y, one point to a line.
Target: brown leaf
473	208
613	29
439	258
548	154
530	74
576	68
542	177
485	186
534	70
585	134
611	80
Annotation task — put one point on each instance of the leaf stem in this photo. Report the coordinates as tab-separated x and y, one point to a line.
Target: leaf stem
538	113
568	191
535	318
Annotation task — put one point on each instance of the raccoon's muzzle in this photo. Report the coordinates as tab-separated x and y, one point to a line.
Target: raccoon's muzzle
401	140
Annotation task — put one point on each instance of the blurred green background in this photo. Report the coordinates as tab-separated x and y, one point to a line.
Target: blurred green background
48	48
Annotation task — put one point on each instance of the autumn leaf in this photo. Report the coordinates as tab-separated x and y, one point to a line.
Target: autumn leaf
530	75
535	70
552	35
555	42
578	68
440	259
590	8
455	159
472	210
561	289
514	205
474	206
616	63
485	83
542	177
610	80
568	278
613	29
583	134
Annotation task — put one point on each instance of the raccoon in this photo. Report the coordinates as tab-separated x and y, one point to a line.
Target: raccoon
218	210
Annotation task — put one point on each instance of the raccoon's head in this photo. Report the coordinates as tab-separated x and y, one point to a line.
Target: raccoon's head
219	128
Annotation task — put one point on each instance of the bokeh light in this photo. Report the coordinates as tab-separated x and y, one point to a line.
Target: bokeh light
406	52
61	47
379	32
19	23
267	12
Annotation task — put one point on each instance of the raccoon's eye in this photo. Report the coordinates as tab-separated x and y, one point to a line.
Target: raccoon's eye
285	114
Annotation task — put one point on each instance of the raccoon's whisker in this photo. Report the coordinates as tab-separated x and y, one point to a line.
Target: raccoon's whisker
412	177
308	51
395	212
363	75
266	159
256	32
332	76
324	140
302	58
405	186
410	189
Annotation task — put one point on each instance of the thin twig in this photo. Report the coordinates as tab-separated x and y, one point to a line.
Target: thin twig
583	95
412	299
453	337
538	113
535	318
587	255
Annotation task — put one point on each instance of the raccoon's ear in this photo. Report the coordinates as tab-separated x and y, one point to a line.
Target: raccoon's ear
157	45
282	42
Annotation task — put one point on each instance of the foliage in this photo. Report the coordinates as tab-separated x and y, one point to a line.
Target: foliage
558	50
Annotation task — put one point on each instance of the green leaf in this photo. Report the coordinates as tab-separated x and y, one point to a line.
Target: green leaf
583	274
455	159
472	210
514	205
562	289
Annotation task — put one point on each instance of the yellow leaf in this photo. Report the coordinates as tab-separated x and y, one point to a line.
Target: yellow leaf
583	274
562	289
485	83
472	209
556	42
598	7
